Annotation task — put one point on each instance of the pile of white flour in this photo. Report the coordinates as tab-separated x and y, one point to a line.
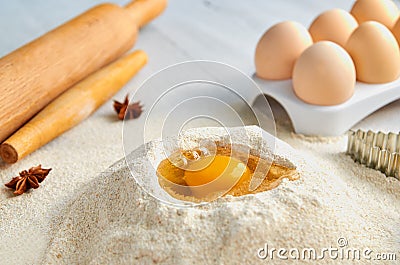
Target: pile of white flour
113	221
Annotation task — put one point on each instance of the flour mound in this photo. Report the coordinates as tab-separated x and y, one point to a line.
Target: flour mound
113	221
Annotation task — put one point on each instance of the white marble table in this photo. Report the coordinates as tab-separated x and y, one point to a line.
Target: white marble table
219	30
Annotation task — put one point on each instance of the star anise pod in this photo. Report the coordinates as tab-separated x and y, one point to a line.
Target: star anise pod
28	179
126	110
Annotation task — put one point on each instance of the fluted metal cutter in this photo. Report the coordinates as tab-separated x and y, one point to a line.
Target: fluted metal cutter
377	150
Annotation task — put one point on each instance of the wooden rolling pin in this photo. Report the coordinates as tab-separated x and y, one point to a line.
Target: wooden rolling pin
35	74
72	107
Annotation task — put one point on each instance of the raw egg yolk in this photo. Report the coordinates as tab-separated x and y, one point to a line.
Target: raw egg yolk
215	174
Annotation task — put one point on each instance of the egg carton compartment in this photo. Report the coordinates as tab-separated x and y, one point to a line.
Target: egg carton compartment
330	120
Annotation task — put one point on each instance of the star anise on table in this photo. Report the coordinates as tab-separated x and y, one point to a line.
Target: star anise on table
28	179
126	110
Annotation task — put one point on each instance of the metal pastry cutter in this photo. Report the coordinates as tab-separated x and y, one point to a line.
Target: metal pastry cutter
376	150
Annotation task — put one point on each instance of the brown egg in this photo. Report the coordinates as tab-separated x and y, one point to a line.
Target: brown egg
382	11
279	48
324	75
375	53
334	25
396	31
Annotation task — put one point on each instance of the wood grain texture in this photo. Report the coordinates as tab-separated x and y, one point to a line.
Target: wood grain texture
72	107
35	74
150	9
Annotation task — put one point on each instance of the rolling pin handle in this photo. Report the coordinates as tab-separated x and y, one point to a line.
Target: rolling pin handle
144	11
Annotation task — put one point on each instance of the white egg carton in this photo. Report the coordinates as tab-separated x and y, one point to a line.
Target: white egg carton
330	120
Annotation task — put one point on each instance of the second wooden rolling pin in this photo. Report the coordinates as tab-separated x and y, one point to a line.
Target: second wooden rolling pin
38	72
72	107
